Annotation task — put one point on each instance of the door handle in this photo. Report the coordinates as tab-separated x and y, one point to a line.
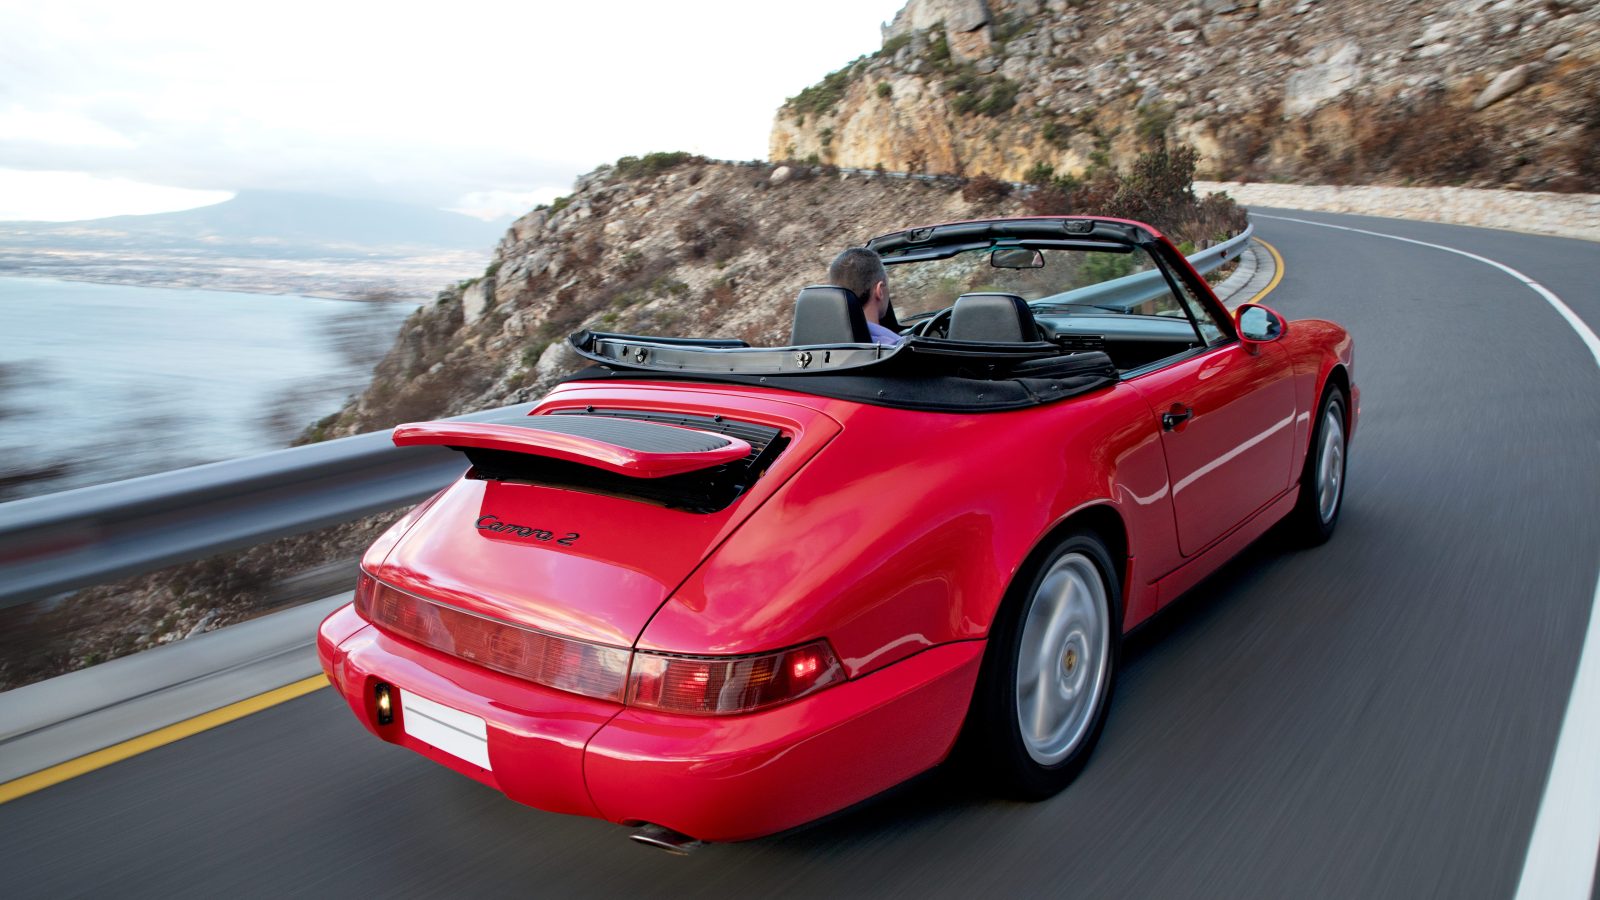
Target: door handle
1175	417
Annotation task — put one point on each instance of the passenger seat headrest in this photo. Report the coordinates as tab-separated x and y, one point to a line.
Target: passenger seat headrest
827	314
992	317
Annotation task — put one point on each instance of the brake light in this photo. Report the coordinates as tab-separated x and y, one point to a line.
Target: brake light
730	684
593	670
701	685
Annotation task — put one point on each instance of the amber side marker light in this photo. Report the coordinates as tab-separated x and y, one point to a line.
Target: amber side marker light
385	703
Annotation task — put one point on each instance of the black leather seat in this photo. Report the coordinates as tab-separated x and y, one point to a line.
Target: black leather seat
825	314
992	317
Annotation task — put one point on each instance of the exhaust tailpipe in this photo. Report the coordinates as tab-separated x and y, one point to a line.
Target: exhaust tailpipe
662	838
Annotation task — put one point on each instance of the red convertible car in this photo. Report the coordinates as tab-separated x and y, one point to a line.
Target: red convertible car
718	591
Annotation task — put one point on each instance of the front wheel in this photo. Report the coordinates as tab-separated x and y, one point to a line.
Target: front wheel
1049	671
1316	513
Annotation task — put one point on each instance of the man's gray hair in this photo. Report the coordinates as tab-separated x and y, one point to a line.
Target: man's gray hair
857	270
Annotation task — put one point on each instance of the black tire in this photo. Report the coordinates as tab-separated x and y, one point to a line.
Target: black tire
995	748
1309	523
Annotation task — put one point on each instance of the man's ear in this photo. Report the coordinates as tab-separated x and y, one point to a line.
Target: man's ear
886	316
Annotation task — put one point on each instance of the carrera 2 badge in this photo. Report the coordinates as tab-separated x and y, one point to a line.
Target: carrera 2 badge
493	523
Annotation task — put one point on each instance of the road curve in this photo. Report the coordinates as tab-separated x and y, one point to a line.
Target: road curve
1372	718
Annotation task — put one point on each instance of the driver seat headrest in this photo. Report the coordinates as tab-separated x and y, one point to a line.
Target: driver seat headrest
828	314
992	317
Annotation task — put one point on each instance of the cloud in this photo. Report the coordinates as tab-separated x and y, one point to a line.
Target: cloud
493	205
67	196
449	105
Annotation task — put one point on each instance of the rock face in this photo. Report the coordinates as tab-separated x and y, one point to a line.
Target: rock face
1316	84
965	24
1502	93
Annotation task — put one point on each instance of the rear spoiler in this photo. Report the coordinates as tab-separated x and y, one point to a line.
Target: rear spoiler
628	447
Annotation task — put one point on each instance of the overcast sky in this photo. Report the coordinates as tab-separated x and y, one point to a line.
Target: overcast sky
117	107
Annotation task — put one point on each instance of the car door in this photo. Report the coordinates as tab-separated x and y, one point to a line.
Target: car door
1227	420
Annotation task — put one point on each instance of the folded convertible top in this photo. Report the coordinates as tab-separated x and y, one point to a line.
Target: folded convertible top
927	374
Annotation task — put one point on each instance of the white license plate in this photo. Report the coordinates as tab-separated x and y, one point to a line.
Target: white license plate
457	733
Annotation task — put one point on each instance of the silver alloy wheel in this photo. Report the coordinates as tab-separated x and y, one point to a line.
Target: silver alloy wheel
1063	658
1330	463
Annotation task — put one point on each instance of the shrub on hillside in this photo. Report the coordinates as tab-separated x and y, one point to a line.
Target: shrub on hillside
1586	163
974	94
713	230
1056	134
1432	145
1158	188
1048	200
653	163
822	98
985	189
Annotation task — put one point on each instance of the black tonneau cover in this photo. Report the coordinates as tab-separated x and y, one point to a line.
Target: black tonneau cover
920	373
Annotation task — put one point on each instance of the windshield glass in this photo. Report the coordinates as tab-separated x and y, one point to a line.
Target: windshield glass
928	285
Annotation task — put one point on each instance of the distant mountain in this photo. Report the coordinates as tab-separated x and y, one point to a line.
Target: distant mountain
277	224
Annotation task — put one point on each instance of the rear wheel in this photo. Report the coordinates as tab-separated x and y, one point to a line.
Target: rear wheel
1049	671
1316	513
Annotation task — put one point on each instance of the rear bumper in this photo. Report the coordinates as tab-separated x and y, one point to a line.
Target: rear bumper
714	778
535	735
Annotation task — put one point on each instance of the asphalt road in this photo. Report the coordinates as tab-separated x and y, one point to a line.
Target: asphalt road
1372	718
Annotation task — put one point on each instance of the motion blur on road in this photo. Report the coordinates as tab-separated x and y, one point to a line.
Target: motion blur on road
1372	718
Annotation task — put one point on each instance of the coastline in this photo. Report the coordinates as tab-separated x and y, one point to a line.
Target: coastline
376	278
160	284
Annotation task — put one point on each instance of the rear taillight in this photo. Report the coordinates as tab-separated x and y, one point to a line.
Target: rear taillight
701	685
593	670
724	685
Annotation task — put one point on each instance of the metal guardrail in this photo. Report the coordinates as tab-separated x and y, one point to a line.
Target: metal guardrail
1131	290
73	539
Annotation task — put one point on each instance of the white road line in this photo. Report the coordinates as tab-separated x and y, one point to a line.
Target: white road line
1566	833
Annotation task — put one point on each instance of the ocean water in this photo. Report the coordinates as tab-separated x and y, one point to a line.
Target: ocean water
100	382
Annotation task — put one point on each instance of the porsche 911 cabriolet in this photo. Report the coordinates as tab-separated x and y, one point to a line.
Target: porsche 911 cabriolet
716	591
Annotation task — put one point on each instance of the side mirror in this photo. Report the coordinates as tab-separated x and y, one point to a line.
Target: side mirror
1258	325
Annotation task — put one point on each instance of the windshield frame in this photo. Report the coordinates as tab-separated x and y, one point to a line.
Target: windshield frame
1086	233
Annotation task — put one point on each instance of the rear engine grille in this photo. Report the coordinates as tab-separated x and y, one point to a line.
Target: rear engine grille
704	491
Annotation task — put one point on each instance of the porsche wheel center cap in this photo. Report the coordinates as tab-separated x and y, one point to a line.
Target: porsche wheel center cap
1069	660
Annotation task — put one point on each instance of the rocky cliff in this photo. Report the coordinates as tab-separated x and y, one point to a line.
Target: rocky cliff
1477	92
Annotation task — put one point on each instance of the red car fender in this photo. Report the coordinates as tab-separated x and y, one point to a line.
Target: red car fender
905	531
1316	347
391	537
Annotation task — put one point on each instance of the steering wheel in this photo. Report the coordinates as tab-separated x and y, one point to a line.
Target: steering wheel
936	325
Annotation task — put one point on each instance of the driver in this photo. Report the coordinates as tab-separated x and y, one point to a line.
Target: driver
860	271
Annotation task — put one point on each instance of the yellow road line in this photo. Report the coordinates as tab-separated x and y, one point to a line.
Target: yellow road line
177	731
1277	275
